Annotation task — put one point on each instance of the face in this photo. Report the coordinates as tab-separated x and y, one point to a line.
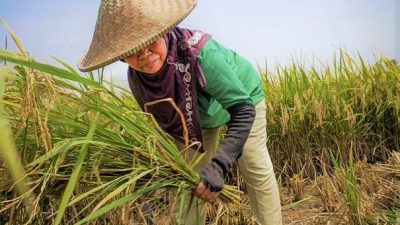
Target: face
151	59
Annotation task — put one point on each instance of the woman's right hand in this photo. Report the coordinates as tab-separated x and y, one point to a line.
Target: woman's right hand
205	194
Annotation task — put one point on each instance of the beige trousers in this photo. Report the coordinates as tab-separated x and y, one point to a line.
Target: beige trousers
257	171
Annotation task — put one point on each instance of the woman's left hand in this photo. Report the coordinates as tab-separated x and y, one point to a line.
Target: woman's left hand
205	193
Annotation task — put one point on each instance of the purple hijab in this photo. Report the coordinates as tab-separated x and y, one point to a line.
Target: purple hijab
177	79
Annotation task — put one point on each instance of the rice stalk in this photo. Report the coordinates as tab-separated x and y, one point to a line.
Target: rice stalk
9	152
123	142
75	174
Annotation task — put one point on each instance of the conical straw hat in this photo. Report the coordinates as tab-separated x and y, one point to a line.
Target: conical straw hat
124	27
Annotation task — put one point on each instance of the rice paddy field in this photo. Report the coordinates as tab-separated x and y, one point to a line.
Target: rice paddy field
76	149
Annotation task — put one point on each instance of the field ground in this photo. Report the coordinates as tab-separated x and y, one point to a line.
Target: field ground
379	190
322	201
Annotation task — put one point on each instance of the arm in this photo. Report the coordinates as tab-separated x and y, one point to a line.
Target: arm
242	117
224	84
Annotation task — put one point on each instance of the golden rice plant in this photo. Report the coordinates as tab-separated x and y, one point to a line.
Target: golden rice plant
81	150
349	107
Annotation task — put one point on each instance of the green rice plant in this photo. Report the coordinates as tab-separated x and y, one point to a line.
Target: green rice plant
349	190
8	151
394	217
369	192
123	158
76	172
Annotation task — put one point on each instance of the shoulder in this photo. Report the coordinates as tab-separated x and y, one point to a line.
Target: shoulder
211	46
212	53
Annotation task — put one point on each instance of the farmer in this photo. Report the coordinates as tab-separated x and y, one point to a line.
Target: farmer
211	86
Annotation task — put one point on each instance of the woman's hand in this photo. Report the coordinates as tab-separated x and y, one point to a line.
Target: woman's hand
205	193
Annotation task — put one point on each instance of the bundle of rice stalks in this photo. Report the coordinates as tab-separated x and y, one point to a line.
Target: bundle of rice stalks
84	141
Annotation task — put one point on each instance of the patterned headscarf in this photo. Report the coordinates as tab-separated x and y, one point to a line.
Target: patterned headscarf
177	79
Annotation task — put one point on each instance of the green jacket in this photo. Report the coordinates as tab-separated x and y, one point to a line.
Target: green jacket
230	79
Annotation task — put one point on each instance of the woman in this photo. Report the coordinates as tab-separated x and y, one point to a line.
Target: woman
210	84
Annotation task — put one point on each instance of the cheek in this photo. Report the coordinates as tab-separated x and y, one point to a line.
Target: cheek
163	58
132	62
164	54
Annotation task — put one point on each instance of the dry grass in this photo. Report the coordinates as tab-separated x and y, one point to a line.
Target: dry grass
379	188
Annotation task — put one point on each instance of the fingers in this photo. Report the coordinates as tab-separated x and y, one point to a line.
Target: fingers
200	189
205	193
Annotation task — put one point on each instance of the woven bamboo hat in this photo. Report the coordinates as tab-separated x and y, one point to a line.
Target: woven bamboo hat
124	27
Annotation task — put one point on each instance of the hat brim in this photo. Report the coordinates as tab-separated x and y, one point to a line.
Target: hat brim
129	28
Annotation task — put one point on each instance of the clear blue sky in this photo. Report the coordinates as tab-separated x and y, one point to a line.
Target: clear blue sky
261	30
